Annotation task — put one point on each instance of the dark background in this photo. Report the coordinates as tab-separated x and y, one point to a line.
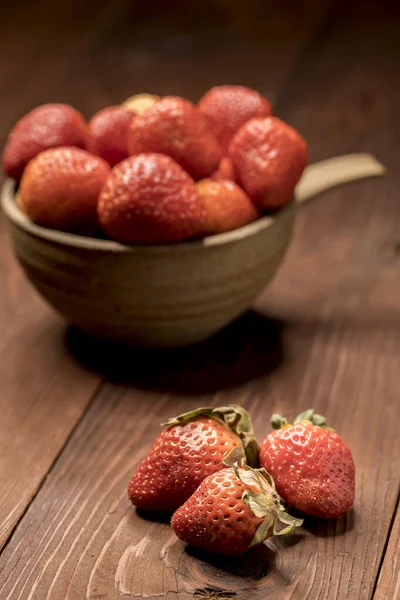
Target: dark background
91	54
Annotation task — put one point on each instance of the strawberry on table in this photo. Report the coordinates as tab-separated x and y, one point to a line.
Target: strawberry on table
192	447
232	511
228	107
60	189
175	127
312	466
150	199
47	126
108	133
269	157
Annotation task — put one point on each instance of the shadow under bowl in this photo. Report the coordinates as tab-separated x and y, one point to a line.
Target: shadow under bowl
159	296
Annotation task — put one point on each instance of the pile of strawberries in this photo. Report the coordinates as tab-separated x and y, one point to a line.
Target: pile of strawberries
203	469
155	170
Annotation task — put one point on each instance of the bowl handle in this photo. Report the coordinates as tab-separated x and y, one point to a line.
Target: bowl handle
329	173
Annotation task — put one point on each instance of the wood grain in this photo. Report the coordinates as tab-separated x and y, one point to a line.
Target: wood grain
325	334
41	399
388	587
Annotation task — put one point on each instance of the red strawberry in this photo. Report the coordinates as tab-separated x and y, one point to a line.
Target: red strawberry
60	189
193	446
140	103
46	126
312	466
228	107
108	133
175	127
225	170
269	157
232	511
228	206
150	199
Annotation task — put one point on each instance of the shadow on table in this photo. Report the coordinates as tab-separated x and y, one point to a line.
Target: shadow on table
248	349
155	516
254	565
329	528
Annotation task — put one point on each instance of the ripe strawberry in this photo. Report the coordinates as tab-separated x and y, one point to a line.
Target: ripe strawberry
139	103
194	445
232	511
108	133
47	126
225	170
175	127
228	206
312	466
149	199
60	189
269	157
228	107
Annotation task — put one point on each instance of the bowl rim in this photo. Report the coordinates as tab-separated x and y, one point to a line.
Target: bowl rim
15	214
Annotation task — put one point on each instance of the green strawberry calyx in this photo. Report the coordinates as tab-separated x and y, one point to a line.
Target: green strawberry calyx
278	422
265	503
238	420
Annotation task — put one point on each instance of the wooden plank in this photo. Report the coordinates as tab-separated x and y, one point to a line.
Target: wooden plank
326	334
388	587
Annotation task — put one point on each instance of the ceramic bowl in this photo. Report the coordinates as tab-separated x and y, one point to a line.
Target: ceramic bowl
161	296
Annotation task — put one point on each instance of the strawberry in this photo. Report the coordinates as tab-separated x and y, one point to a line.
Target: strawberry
312	466
232	511
108	133
150	199
228	206
46	126
194	445
269	157
139	103
225	170
228	107
175	127
60	188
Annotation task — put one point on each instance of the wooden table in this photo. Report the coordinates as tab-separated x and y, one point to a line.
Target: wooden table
77	415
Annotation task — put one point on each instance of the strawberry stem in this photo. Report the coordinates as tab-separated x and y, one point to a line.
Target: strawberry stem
278	422
238	420
310	415
261	496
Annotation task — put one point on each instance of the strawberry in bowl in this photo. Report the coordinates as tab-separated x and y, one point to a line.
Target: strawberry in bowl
165	251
